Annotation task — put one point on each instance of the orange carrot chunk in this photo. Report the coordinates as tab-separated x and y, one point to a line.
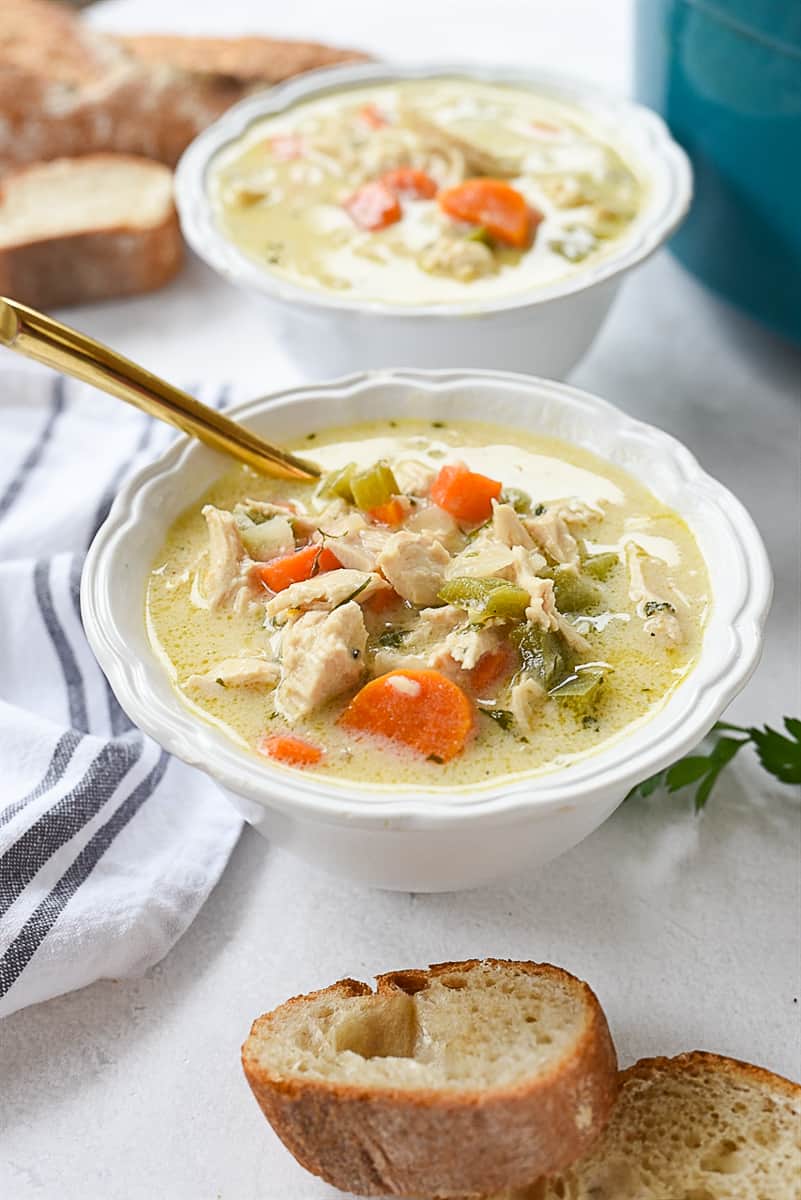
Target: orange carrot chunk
421	710
464	494
490	670
411	183
289	749
373	206
391	513
294	568
372	116
495	205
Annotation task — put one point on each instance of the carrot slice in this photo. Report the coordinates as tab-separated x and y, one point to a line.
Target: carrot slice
372	116
407	181
421	710
391	513
290	749
464	494
294	568
495	205
373	206
490	670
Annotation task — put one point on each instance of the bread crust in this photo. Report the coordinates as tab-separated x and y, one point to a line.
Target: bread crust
395	1141
647	1068
66	89
78	268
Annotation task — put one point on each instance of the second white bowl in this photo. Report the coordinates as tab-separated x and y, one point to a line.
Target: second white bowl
545	331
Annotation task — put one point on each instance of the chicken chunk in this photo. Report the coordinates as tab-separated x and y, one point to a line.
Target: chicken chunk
655	597
481	558
527	702
542	609
415	565
467	645
434	521
323	593
477	160
322	656
226	578
421	645
507	527
459	258
359	549
236	673
551	533
414	478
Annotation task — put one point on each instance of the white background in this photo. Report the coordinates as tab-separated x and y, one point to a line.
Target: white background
688	930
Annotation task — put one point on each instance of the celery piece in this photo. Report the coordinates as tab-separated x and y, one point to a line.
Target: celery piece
582	685
600	566
542	654
338	483
479	234
573	592
486	598
373	487
519	500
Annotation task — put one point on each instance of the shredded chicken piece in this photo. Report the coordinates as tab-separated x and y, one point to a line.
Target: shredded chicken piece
419	648
415	566
656	600
542	609
236	673
552	531
477	160
435	522
527	702
575	640
323	656
508	528
226	579
359	549
482	557
467	645
459	258
414	478
323	593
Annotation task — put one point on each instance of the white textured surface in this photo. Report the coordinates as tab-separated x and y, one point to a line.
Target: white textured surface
688	931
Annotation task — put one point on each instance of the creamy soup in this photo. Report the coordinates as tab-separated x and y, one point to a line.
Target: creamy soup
426	192
450	604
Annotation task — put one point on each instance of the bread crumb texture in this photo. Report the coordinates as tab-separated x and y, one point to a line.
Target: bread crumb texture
489	1026
696	1127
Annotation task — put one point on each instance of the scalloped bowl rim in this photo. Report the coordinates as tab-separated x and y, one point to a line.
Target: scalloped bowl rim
729	654
672	190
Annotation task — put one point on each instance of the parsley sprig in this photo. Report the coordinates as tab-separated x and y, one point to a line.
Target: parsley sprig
780	756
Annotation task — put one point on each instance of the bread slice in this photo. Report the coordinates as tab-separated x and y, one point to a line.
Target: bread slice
461	1079
67	90
696	1127
89	228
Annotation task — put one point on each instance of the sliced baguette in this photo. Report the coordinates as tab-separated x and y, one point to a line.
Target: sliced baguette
457	1080
89	228
67	90
695	1127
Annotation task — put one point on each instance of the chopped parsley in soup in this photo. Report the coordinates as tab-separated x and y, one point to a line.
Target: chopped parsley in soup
449	604
426	191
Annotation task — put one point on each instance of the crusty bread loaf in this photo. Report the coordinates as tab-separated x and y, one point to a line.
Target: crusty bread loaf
457	1080
67	90
695	1127
89	228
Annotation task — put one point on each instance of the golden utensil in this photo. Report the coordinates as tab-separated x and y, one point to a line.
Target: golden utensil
66	350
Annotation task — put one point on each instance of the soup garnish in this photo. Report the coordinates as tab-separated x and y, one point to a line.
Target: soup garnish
474	603
425	191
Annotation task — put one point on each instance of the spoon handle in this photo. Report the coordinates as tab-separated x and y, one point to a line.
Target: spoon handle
70	352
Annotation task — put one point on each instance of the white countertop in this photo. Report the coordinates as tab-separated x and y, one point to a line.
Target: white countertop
688	930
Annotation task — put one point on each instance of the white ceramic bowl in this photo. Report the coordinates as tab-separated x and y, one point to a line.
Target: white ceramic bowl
413	840
545	330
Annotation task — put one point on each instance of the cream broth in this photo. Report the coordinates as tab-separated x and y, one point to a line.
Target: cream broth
284	192
638	634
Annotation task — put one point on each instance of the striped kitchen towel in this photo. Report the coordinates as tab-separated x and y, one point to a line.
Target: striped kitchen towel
108	847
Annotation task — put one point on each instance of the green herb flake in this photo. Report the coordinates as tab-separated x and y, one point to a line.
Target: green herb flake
652	607
500	716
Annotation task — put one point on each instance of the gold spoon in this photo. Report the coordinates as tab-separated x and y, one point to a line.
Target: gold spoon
72	353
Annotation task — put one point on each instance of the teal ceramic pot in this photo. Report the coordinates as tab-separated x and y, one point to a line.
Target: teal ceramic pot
726	76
